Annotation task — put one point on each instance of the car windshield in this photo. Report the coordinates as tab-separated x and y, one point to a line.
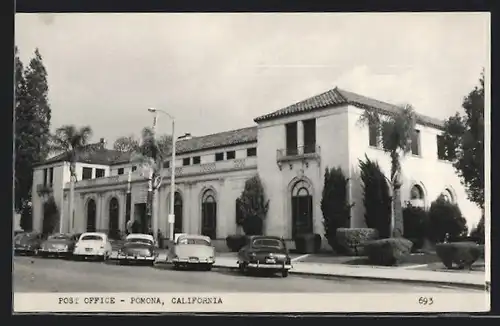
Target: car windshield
268	243
192	241
58	237
28	236
140	240
91	238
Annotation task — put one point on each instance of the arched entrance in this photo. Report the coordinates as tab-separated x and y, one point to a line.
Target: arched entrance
209	214
302	205
178	212
91	216
417	196
114	218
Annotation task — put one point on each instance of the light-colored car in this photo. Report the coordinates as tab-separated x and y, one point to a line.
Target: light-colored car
138	248
193	251
92	245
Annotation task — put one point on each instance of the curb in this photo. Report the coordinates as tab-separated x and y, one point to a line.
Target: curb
374	278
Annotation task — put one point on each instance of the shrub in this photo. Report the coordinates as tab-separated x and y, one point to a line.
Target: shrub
445	217
50	216
352	240
387	252
309	243
415	225
252	207
376	197
462	254
235	242
334	205
477	234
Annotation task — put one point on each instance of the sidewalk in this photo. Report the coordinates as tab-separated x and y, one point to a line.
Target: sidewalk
454	278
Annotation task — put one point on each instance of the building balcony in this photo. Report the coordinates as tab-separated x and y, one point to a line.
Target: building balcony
44	189
302	153
214	167
181	171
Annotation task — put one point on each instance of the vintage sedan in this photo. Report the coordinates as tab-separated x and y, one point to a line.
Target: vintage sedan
28	243
92	245
59	245
193	251
137	248
265	253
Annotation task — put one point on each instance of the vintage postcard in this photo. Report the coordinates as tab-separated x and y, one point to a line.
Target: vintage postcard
196	162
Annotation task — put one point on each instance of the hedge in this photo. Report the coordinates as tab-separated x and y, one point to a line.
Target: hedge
352	239
308	243
236	242
462	254
387	252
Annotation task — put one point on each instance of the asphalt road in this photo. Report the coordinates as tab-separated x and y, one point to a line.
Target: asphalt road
56	275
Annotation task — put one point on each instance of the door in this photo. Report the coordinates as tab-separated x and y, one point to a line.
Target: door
91	216
291	139
114	223
178	213
209	215
302	219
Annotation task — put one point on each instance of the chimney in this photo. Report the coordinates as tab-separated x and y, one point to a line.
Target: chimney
102	142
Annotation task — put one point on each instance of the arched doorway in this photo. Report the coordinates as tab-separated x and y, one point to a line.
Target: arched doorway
302	214
114	218
209	214
91	216
178	212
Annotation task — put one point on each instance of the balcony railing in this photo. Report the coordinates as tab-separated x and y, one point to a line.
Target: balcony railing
190	170
299	152
44	189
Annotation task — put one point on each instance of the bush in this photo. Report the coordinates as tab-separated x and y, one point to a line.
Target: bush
309	243
445	217
415	225
376	197
387	252
334	205
252	207
477	234
462	254
236	242
352	240
50	216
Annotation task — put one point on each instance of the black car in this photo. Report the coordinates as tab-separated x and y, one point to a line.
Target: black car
28	243
59	245
137	248
265	253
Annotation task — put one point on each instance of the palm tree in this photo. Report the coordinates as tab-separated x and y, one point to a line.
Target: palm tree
397	130
150	154
71	140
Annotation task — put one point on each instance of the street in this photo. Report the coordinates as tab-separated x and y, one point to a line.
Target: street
57	275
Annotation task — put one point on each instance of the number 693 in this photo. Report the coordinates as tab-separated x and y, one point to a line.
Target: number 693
425	301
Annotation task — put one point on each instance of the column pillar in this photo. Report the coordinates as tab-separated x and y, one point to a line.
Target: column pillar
300	136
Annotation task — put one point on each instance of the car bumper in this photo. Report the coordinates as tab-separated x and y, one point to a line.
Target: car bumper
25	250
89	254
193	261
133	258
54	252
269	266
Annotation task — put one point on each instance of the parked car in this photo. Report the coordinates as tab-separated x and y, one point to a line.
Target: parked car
92	245
265	253
193	251
138	248
59	245
28	243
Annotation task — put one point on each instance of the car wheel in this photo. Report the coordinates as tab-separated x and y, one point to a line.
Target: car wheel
176	266
284	273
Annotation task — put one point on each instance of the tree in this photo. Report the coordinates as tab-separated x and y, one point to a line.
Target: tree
32	123
397	130
73	141
335	205
465	142
446	218
150	154
253	207
126	144
50	216
376	197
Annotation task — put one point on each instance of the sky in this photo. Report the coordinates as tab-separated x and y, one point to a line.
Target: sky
217	72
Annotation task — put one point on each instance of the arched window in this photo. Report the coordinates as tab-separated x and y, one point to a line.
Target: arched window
209	214
417	197
114	218
302	208
178	212
448	195
91	216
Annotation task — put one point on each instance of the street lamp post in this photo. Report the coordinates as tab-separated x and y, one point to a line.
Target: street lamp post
171	215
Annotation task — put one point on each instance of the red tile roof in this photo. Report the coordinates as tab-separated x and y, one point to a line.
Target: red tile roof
103	156
338	97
